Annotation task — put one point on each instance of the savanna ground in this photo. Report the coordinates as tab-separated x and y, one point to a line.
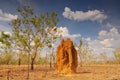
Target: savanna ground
42	72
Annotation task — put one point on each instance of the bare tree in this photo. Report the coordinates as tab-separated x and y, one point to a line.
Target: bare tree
85	53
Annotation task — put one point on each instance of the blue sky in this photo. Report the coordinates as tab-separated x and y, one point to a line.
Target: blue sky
95	21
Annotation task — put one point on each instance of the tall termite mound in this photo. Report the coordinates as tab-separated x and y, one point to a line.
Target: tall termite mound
66	57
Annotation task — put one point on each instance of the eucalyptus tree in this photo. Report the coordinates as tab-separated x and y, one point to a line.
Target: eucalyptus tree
53	35
5	44
85	53
88	56
5	40
80	52
29	31
116	54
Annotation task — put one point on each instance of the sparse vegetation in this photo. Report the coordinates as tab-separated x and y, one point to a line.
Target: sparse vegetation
116	54
32	33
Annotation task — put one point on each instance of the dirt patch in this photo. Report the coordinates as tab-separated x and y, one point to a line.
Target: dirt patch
91	72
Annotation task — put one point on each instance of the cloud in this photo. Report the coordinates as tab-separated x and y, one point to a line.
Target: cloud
106	41
92	15
4	28
1	44
65	33
7	16
109	25
111	38
88	39
7	33
112	33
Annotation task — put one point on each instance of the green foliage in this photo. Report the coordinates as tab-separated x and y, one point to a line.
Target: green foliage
23	58
31	28
6	58
41	60
5	39
116	54
81	44
29	31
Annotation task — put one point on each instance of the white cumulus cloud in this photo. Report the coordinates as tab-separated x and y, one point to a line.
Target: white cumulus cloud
65	33
5	28
6	32
106	41
92	15
109	25
112	33
7	16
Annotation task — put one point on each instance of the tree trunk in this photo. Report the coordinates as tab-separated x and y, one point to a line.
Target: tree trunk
19	61
33	60
53	58
32	63
50	65
54	61
80	60
50	62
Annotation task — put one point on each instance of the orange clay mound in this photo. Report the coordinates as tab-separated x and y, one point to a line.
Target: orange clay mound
66	57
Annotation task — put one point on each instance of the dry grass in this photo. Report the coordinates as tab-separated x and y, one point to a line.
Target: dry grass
91	72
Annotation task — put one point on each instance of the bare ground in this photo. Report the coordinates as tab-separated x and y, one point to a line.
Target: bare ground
91	72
